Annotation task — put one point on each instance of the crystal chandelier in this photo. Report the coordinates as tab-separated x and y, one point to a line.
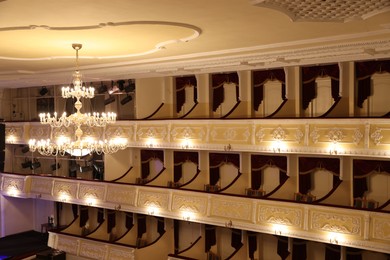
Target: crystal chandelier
80	146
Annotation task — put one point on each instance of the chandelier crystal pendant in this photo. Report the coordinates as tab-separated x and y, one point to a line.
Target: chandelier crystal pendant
81	145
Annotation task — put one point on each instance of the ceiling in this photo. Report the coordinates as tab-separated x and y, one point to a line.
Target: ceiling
131	39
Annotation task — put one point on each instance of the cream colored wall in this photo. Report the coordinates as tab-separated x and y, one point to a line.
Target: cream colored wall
379	101
17	215
149	95
115	165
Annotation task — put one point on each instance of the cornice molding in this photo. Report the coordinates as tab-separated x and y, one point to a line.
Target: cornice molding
227	60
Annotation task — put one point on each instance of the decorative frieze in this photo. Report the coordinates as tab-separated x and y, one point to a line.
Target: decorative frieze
231	209
91	191
153	199
92	250
13	184
194	204
381	227
287	216
120	253
65	190
68	244
353	136
337	222
41	185
121	195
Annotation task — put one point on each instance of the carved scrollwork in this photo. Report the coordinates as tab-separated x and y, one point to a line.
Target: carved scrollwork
340	223
231	209
377	136
279	134
335	135
282	216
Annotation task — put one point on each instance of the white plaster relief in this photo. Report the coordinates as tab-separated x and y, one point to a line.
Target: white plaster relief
62	188
153	199
16	184
189	203
43	186
231	209
381	228
125	195
340	223
321	11
91	191
277	215
92	250
120	253
69	245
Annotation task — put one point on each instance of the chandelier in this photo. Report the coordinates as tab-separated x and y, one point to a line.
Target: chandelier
81	145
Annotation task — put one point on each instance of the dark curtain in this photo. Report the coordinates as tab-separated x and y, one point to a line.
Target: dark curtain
214	176
260	162
308	81
75	210
160	225
210	237
179	159
83	215
146	157
177	172
100	215
260	78
282	248
252	244
364	71
129	220
218	159
141	219
299	249
354	253
181	84
176	231
217	82
307	165
362	169
236	239
332	252
111	220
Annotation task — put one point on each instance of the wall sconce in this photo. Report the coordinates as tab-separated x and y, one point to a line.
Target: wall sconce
279	229
227	147
117	208
229	224
90	201
63	196
334	148
187	215
186	144
278	146
12	191
151	142
334	238
152	210
11	139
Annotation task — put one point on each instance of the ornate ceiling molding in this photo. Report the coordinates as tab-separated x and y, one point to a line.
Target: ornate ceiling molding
326	10
194	33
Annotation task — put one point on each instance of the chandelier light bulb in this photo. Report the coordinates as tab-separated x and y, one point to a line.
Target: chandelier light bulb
81	145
